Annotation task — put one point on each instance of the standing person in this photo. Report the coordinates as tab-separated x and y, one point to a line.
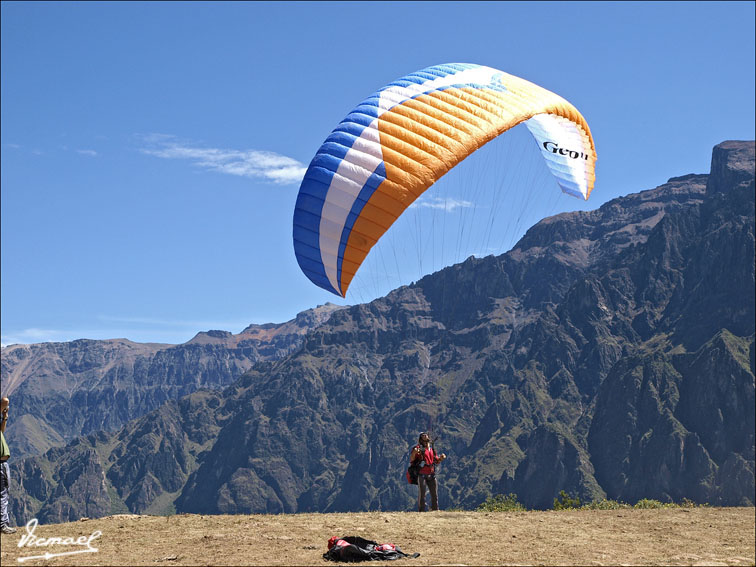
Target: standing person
424	454
4	456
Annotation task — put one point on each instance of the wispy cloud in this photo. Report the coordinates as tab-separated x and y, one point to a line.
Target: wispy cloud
255	164
36	336
90	153
33	335
195	324
136	328
447	205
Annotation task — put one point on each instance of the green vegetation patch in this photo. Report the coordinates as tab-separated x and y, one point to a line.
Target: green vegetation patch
501	503
509	503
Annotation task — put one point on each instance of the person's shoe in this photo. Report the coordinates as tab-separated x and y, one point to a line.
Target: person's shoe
8	530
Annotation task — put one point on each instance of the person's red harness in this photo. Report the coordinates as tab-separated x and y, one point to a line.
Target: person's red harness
429	459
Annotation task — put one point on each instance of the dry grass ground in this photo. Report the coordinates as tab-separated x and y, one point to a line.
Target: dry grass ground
679	536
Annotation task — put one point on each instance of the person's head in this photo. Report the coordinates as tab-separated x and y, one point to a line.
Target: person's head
4	403
424	438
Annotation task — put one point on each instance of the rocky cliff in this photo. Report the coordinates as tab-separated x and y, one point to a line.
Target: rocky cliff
610	354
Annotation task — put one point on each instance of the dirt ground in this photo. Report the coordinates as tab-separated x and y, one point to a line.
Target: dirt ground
680	536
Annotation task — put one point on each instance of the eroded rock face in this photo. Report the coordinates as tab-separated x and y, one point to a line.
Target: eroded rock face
731	166
610	354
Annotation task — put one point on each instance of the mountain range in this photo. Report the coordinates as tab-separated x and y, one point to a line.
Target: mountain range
63	390
609	354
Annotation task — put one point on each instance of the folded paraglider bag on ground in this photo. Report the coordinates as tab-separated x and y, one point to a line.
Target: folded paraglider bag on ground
351	549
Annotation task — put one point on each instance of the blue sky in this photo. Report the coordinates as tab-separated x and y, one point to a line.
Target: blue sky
151	152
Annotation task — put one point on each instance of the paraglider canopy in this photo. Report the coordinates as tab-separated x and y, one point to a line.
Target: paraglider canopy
398	142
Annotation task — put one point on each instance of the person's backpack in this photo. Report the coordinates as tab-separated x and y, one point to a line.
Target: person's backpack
413	471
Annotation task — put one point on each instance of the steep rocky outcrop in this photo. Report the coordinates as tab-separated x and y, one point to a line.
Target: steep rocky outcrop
610	354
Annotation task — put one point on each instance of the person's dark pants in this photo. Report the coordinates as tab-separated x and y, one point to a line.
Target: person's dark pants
4	476
428	480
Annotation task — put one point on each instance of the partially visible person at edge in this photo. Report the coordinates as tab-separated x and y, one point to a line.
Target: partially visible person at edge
4	476
427	457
